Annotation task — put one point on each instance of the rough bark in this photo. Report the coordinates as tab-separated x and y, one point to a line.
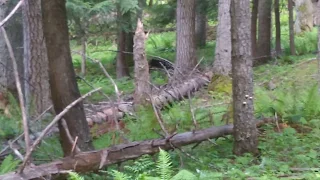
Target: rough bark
264	32
83	56
129	39
141	68
64	88
304	16
245	131
36	60
201	23
185	45
15	34
254	20
222	62
122	67
94	160
278	26
291	28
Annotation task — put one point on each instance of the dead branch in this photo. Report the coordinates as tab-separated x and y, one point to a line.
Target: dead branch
11	13
93	160
17	138
19	89
54	121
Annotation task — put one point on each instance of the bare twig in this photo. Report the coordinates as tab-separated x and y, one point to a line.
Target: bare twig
11	13
90	85
75	146
54	121
105	72
15	151
19	89
17	138
195	67
192	112
158	116
65	127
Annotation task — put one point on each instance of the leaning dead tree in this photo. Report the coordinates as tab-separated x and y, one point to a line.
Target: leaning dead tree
94	160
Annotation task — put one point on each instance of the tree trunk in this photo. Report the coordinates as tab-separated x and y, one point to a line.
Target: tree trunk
254	20
122	67
264	32
291	28
129	39
83	55
36	60
129	48
63	83
304	16
201	23
318	54
278	26
245	131
15	34
141	68
186	47
222	62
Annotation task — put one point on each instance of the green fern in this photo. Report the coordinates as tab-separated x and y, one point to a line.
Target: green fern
75	176
143	164
184	175
8	164
164	165
119	175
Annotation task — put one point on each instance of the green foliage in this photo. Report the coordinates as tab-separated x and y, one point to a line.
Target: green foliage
293	105
9	127
75	176
8	164
164	168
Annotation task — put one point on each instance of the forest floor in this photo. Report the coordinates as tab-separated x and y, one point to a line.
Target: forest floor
286	89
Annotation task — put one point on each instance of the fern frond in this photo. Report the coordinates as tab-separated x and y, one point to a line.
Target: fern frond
128	5
184	175
164	165
75	176
8	164
119	175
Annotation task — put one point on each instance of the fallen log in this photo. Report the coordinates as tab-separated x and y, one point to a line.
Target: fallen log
94	160
100	113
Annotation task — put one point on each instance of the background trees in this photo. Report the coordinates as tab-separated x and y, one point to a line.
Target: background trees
175	35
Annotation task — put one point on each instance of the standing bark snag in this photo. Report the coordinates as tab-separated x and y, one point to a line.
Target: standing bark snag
264	32
186	46
291	28
141	67
254	20
245	131
222	62
64	88
37	89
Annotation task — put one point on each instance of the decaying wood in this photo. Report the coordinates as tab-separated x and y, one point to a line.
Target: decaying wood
141	67
92	160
